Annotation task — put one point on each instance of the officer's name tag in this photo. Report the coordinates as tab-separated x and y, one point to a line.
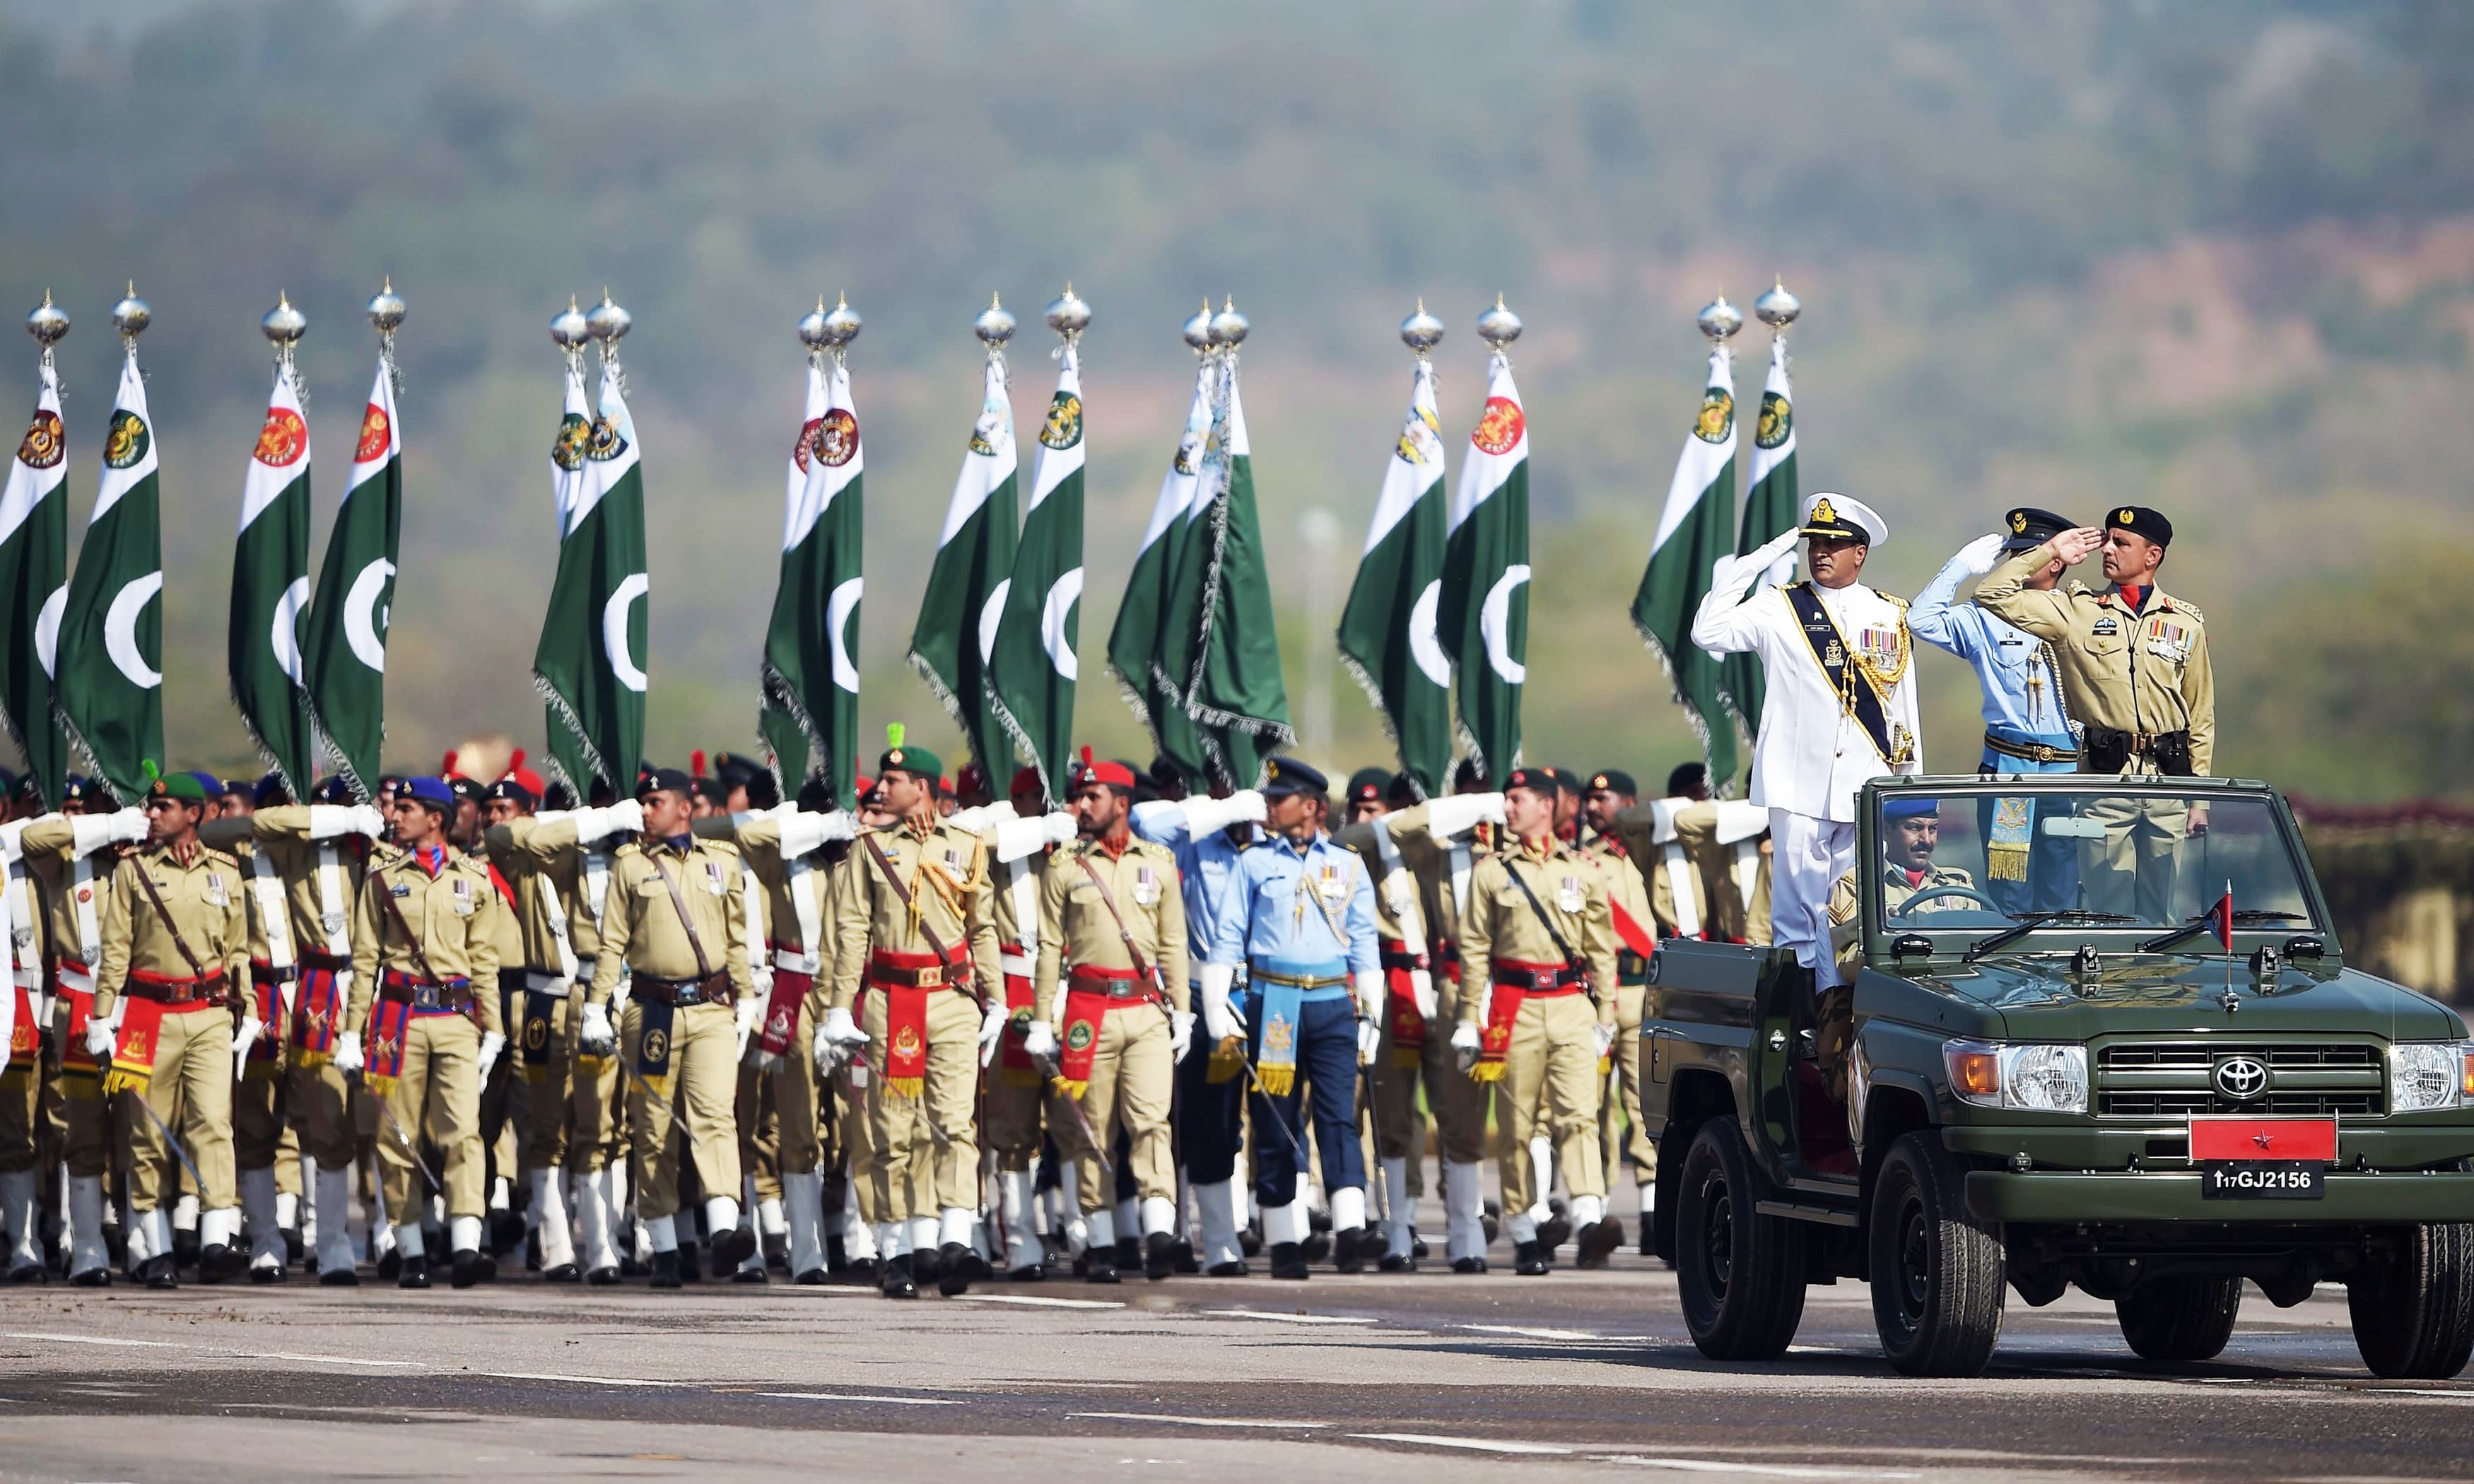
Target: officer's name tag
401	890
2104	628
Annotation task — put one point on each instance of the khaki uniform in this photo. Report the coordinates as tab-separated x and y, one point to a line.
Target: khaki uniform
1442	868
1551	1060
700	958
427	995
1093	992
1412	1051
2144	673
796	897
24	954
1016	1093
190	1084
883	942
1619	1126
68	888
545	849
1726	894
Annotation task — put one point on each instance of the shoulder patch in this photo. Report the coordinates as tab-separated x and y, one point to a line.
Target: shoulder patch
223	857
627	850
2185	606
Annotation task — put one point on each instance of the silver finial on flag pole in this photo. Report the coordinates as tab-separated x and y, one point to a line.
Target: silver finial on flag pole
284	326
1777	308
1422	332
131	317
1228	328
1069	316
1197	329
1499	326
48	323
842	326
1719	320
995	325
569	330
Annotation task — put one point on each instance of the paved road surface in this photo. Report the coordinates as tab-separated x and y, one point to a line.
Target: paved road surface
1376	1377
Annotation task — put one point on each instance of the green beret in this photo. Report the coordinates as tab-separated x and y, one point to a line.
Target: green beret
183	786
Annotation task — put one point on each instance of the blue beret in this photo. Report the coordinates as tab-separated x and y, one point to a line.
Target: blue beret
1911	807
430	791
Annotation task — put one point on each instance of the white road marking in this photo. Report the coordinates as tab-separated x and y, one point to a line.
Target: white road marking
1531	1333
1293	1319
1736	1465
1027	1300
2416	1391
1193	1422
323	1360
579	1380
94	1339
843	1395
1476	1444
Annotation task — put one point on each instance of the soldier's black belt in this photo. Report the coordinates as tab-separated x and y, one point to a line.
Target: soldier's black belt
1536	981
267	973
1116	984
401	989
1402	958
164	988
2106	749
2032	751
683	992
1630	968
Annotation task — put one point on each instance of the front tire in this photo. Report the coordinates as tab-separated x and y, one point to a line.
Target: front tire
1738	1272
2414	1317
1938	1272
2180	1319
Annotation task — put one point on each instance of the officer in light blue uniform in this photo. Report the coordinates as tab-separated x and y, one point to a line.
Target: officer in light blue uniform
1297	913
1209	835
2027	728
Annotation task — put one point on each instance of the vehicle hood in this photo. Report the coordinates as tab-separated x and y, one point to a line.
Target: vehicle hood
2039	998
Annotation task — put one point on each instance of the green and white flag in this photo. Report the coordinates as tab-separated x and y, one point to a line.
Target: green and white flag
1387	633
1483	614
1033	667
1237	696
966	583
1696	528
34	588
1771	506
108	688
567	759
347	628
590	665
270	588
1135	638
811	680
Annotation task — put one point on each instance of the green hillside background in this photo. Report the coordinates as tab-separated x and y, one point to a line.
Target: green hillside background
2215	257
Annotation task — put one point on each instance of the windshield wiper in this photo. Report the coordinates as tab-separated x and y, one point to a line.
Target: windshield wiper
2208	920
2030	921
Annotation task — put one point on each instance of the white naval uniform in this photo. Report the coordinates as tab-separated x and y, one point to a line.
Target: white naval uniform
1811	758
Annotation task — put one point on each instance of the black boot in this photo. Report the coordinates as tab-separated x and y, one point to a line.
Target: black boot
269	1275
1236	1269
730	1249
157	1272
1553	1231
474	1267
602	1278
1289	1261
836	1256
413	1273
562	1273
927	1264
1466	1266
1159	1255
1181	1254
1346	1250
338	1278
93	1278
894	1278
690	1265
1129	1252
184	1247
1100	1265
1527	1261
958	1266
667	1269
390	1264
506	1232
1597	1242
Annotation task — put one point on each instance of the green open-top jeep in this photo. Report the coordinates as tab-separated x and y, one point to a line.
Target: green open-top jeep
2052	1069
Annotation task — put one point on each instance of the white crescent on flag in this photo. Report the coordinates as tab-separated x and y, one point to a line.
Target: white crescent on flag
121	631
47	627
285	636
1054	610
613	629
990	612
838	610
1494	622
1424	647
364	627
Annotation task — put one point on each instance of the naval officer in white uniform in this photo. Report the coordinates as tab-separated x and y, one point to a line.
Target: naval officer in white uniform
1841	706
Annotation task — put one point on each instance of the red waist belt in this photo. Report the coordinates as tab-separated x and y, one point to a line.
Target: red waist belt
1400	1003
1516	981
919	970
906	980
1090	994
183	991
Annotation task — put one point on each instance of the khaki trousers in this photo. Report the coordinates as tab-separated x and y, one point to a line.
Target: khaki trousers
21	1090
704	1072
257	1119
2132	868
548	1089
857	1140
595	1131
1552	1064
1623	1095
191	1091
436	1101
936	1133
321	1102
1131	1076
786	1098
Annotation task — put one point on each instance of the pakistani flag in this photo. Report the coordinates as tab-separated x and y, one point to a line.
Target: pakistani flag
108	689
1483	614
566	487
1033	666
966	584
1134	639
348	629
810	679
1387	633
1771	505
34	588
1697	527
270	587
590	663
1237	694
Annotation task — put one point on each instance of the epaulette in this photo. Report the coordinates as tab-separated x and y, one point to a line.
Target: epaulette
626	849
1897	602
226	857
2185	605
2080	589
729	847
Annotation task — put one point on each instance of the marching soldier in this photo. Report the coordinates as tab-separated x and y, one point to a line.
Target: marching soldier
2135	674
1112	962
1539	935
422	1025
175	948
1611	792
1841	706
2028	728
676	921
1298	914
539	975
21	1052
914	919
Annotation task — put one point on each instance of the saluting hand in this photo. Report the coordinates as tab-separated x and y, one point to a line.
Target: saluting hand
2076	544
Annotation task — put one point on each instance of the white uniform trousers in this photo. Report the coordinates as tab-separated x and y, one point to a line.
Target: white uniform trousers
1808	857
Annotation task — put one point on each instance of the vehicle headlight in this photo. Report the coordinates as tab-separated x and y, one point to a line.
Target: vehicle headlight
2044	1077
2424	1075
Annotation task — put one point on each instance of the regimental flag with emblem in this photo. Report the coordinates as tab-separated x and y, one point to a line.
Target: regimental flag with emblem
270	588
811	679
346	652
1033	666
966	583
1236	695
1771	506
34	588
1696	528
1483	613
566	487
108	688
589	664
1135	638
1388	638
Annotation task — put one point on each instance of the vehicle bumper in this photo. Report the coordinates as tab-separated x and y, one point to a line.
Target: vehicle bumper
2353	1198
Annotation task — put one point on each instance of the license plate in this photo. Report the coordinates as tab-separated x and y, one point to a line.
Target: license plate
2263	1179
2265	1140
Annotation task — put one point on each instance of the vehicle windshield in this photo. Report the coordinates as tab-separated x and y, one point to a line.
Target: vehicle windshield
2136	862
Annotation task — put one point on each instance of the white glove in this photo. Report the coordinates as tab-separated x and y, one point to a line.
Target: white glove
251	1028
99	1039
1371	993
747	1012
1605	1032
1369	1038
625	817
492	1045
992	1026
803	831
1180	1034
1465	1044
1220	1018
841	1030
827	1052
347	1051
1204	816
1778	547
1064	827
327	821
1980	555
593	1037
1457	814
1422	989
1039	1041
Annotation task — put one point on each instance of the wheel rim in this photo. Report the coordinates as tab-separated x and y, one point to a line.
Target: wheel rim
1718	1237
1915	1260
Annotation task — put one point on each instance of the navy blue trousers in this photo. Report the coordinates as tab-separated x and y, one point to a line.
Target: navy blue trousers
1209	1121
1327	1086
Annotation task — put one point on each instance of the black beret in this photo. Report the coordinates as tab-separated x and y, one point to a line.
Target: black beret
1368	783
2029	528
509	788
2140	520
657	780
1538	781
1613	780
